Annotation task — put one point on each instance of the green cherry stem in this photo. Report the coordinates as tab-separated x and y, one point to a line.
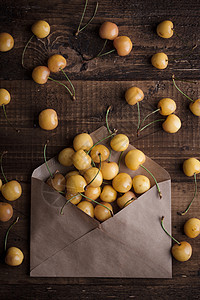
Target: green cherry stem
61	211
83	14
195	192
6	236
106	53
107	112
159	191
2	171
45	158
97	203
73	97
162	225
62	85
23	53
138	107
120	158
173	79
5	114
105	138
147	116
155	121
96	173
128	202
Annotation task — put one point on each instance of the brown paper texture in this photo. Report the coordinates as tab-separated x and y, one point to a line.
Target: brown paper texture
130	244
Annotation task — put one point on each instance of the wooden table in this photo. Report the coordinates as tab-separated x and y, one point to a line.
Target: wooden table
99	83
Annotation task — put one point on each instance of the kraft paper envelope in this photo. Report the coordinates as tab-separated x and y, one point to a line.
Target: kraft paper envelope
129	244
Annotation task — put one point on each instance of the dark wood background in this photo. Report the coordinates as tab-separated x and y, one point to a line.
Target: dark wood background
99	83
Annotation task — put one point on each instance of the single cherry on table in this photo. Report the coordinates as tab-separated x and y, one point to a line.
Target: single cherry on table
13	255
192	228
6	42
6	211
165	29
11	190
181	251
40	29
159	60
4	100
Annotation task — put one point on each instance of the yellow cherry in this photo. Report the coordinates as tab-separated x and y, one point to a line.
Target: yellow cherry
65	157
109	170
11	190
182	252
81	160
134	158
92	173
165	29
108	31
40	74
76	198
56	62
87	207
195	107
6	212
48	119
172	124
4	97
1	183
99	149
108	194
102	213
192	228
6	42
75	184
57	182
159	60
14	257
82	141
92	192
134	95
167	106
41	29
123	45
122	183
141	184
126	199
119	142
191	166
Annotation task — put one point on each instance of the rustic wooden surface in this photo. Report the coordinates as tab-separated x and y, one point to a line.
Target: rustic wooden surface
99	83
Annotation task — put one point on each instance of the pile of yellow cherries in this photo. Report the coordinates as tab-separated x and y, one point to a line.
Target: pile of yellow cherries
96	183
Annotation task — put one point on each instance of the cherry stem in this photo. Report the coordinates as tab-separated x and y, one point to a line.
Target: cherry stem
138	107
153	112
23	53
62	85
83	14
6	236
173	79
108	128
97	203
106	53
155	121
96	173
120	158
107	112
2	172
159	191
128	202
195	192
168	232
5	114
45	158
99	54
61	211
105	138
73	97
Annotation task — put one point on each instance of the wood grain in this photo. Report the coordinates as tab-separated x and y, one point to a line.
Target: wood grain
99	83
